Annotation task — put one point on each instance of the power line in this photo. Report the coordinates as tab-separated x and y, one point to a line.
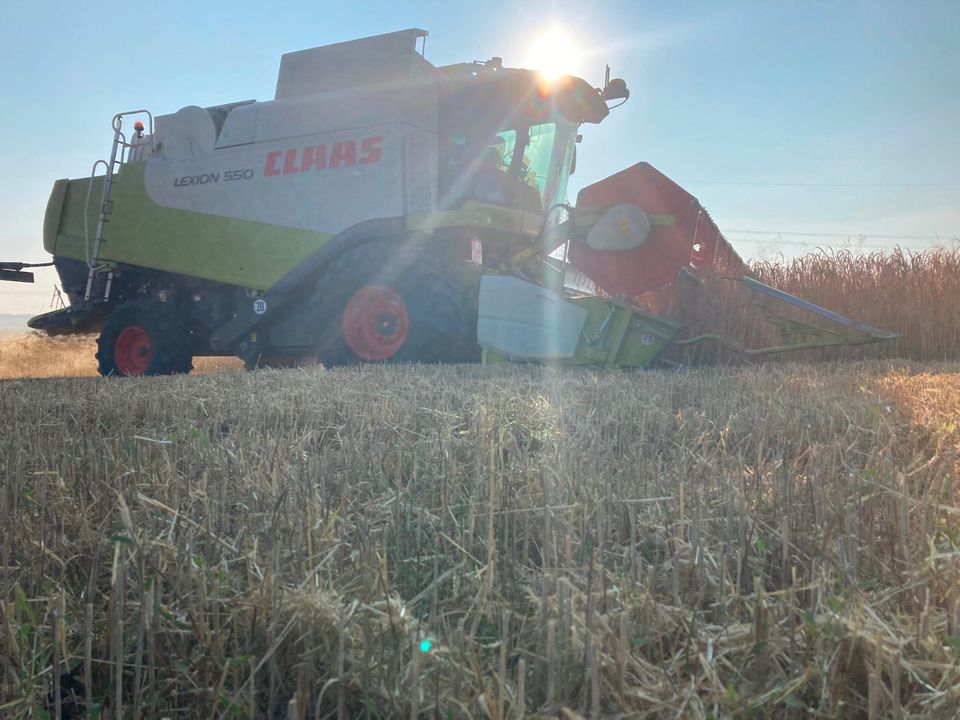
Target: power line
798	243
765	183
889	186
944	237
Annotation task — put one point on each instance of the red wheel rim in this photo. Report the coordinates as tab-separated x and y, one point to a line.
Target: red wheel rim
375	323
133	351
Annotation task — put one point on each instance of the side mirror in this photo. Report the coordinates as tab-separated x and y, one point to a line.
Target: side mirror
616	89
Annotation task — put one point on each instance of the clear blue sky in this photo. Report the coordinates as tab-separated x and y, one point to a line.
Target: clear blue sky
845	115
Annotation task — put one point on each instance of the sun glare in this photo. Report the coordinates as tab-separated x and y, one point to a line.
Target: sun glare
553	54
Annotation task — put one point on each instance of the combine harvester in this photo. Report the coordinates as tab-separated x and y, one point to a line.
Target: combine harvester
380	208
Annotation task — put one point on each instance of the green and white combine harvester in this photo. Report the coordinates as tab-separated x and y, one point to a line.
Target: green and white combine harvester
380	208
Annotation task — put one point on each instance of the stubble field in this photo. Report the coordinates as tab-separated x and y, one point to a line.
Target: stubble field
483	542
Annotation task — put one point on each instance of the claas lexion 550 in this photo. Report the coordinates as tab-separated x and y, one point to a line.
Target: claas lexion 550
381	208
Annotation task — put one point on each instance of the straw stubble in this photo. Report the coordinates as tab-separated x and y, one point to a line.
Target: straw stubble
278	544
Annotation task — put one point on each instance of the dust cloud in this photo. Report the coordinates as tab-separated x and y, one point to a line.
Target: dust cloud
36	355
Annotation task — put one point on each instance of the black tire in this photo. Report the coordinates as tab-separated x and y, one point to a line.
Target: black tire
437	330
144	337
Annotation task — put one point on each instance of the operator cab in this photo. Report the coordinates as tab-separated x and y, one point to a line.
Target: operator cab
507	136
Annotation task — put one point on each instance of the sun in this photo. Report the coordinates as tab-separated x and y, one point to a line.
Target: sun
553	54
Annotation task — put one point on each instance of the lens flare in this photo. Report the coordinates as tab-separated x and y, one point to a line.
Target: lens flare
553	54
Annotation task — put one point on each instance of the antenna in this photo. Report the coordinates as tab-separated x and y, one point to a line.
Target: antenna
606	77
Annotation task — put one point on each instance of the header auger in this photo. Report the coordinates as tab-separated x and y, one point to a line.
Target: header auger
380	208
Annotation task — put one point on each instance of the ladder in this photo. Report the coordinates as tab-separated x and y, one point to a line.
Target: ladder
100	276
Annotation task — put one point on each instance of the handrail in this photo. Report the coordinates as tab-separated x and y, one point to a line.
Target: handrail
86	212
118	120
120	145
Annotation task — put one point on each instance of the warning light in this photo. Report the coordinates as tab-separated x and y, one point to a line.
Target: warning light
424	646
138	126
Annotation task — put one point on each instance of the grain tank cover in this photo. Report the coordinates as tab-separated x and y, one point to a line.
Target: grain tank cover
390	59
190	132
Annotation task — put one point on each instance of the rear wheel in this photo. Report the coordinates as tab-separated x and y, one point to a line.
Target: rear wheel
390	308
144	337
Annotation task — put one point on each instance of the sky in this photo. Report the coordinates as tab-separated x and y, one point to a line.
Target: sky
797	124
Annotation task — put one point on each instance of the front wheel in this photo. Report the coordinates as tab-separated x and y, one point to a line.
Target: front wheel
387	308
375	323
144	337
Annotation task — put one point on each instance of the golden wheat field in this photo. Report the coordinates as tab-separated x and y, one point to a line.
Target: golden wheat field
916	294
466	542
